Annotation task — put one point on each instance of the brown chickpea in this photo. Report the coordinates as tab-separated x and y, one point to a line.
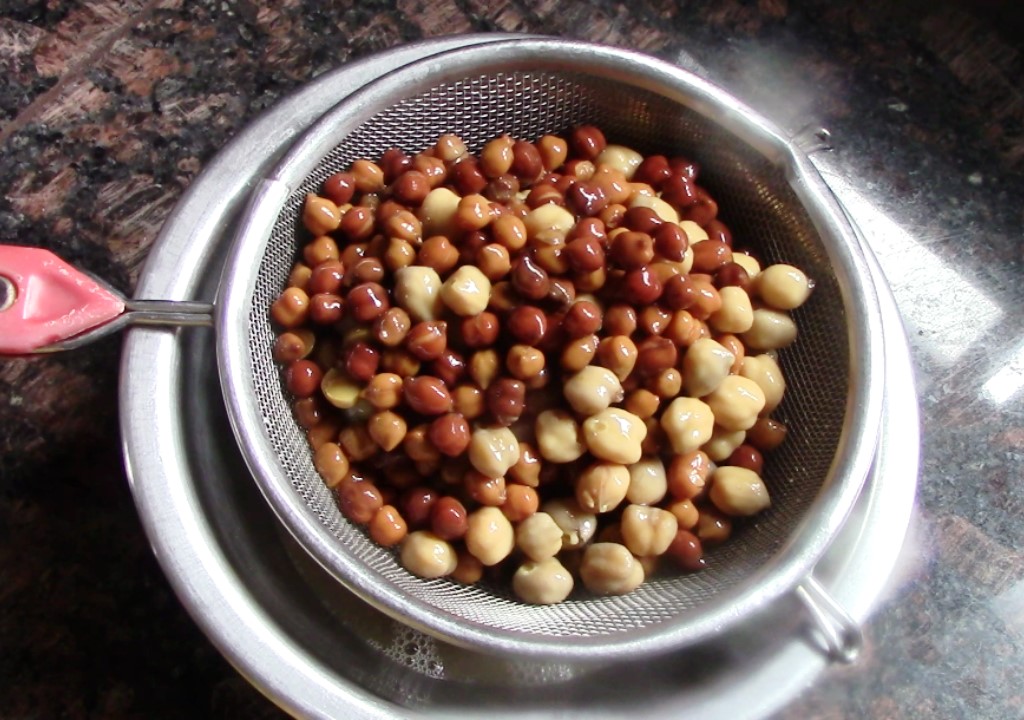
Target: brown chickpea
654	355
502	190
612	216
340	187
653	170
467	176
712	526
368	301
528	324
473	213
320	250
480	331
291	308
308	412
562	292
583	318
506	400
521	502
496	156
292	346
666	384
320	215
387	429
620	319
299	276
468	400
654	320
411	188
641	286
687	475
767	434
553	151
510	231
439	253
526	470
450	148
387	527
524	361
746	456
383	391
494	261
732	274
450	434
683	329
617	353
352	254
450	366
362	361
468	569
631	249
427	340
392	327
504	298
709	256
642	402
326	277
485	490
579	353
357	442
368	175
432	168
707	301
323	432
417	445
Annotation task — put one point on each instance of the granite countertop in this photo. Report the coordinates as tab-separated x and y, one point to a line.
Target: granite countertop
108	110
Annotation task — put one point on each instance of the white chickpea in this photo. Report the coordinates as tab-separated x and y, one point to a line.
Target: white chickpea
615	435
738	491
736	314
577	525
705	365
736	403
467	291
661	208
784	287
492	451
648	481
438	212
765	371
425	554
619	157
688	423
771	330
648	531
602	486
694	232
339	389
748	263
723	442
610	569
538	536
542	583
559	439
593	389
549	220
489	535
418	292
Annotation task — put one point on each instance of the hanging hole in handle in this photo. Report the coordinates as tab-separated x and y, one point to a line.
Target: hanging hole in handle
813	138
8	293
839	633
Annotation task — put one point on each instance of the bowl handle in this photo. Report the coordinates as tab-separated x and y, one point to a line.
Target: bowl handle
838	631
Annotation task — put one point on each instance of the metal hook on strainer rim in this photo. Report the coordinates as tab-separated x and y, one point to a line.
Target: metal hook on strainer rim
527	88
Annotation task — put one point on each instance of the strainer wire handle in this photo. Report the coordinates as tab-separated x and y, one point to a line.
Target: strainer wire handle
841	634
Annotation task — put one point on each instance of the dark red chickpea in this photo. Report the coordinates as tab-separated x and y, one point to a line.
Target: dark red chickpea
368	269
529	279
679	192
426	395
326	308
527	324
358	223
641	286
359	501
501	189
620	319
416	504
504	298
732	274
303	377
394	162
411	188
340	187
526	161
653	170
362	361
326	277
642	219
703	211
747	456
289	347
685	167
584	254
686	550
351	255
680	293
767	434
450	366
480	331
470	246
427	340
718	231
587	141
709	256
448	518
562	292
368	301
544	193
670	242
388	209
308	411
632	249
582	318
586	197
450	434
467	176
506	400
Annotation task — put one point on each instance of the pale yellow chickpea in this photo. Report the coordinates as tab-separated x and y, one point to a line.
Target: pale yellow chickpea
425	554
661	208
771	330
489	536
438	213
492	451
538	537
559	438
648	482
688	423
543	582
418	292
648	531
736	314
723	442
467	291
593	389
783	286
619	157
610	569
765	371
550	221
694	232
577	524
601	487
736	403
748	263
615	435
738	491
705	365
339	389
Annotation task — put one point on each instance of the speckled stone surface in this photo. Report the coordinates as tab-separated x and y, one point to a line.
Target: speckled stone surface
109	109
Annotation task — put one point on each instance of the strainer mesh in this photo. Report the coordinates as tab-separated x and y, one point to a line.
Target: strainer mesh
764	214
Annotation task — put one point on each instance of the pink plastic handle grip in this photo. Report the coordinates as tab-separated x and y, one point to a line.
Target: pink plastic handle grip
52	300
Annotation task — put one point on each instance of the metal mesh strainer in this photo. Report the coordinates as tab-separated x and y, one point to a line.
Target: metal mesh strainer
769	195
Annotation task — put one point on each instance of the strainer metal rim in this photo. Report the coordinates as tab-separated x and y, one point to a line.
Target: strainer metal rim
857	445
